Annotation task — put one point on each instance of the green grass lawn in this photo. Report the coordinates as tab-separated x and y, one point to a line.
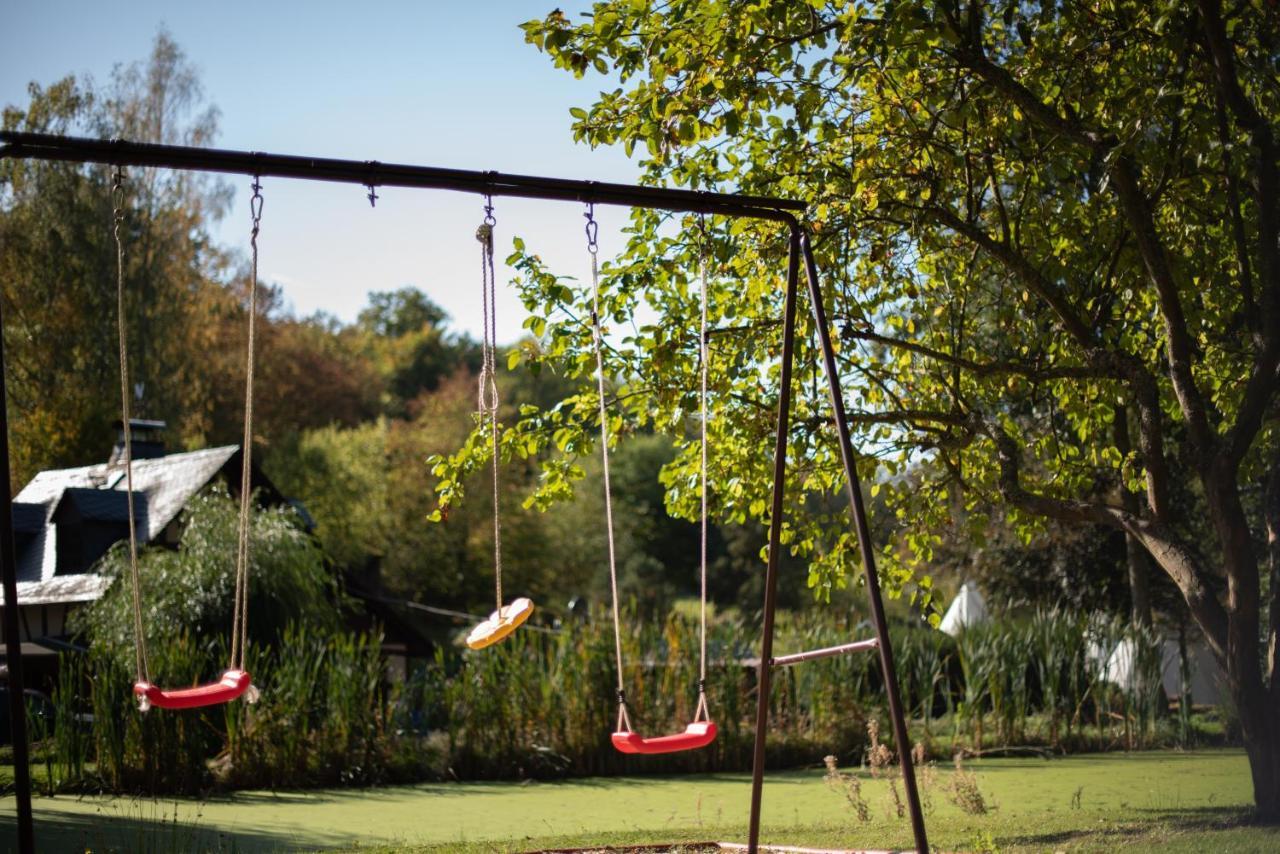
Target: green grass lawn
1165	800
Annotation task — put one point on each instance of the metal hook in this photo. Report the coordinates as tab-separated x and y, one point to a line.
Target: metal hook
255	209
592	228
488	210
372	182
117	197
255	202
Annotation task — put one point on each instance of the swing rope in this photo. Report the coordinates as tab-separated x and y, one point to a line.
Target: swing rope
597	339
231	685
139	638
488	384
704	358
240	616
593	248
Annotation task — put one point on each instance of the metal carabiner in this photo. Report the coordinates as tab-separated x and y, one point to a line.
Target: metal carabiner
592	228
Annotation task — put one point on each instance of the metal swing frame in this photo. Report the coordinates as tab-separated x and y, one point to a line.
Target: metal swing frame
373	174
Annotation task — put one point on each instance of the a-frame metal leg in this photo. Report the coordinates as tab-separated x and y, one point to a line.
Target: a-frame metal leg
800	246
775	537
868	553
12	638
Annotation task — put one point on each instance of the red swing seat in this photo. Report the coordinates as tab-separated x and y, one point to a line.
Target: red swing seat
232	684
697	734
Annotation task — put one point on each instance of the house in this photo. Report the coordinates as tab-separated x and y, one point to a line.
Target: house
66	519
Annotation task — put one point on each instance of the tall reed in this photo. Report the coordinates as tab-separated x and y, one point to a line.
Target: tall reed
541	705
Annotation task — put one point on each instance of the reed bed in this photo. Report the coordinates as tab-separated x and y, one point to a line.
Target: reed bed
543	705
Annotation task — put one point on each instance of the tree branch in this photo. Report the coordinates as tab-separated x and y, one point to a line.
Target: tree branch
985	369
1178	347
1141	382
1020	266
1261	386
1160	542
971	55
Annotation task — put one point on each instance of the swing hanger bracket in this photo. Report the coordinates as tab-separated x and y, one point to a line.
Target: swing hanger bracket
592	228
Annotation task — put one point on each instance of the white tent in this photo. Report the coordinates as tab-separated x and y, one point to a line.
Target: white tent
967	608
1206	680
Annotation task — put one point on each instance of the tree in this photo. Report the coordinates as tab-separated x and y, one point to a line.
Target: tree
656	554
190	589
311	373
1045	228
405	336
58	266
363	487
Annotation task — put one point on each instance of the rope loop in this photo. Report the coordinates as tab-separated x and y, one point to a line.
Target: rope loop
117	198
487	384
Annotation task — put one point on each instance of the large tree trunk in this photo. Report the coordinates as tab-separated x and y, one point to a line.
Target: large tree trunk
1139	582
1233	631
1135	554
1261	727
1255	700
1266	785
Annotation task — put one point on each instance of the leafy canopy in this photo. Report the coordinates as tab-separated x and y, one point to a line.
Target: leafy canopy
1035	231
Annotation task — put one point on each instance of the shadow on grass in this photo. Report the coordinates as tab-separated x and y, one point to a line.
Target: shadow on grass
104	831
1188	820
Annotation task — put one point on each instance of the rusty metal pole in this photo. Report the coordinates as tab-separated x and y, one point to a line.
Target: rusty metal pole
12	638
775	538
864	545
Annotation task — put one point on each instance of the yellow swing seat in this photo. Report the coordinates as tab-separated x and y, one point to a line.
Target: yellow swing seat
501	623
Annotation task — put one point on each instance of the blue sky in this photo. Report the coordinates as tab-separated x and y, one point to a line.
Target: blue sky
442	84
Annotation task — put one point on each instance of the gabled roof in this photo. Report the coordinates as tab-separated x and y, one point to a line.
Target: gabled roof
162	487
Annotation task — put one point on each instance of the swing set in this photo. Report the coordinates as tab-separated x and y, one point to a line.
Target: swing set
236	682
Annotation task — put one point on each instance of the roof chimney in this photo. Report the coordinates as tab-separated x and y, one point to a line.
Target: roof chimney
148	440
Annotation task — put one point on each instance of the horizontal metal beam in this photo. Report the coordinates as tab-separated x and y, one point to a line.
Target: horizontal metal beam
825	652
371	173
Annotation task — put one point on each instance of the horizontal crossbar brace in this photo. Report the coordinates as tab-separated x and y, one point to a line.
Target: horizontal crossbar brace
825	652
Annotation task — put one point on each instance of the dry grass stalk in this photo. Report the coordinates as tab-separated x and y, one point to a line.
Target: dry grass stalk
879	756
849	785
963	790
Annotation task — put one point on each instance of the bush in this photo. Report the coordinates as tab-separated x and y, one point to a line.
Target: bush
190	590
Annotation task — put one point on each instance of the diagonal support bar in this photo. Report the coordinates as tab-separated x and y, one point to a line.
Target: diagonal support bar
775	537
859	511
